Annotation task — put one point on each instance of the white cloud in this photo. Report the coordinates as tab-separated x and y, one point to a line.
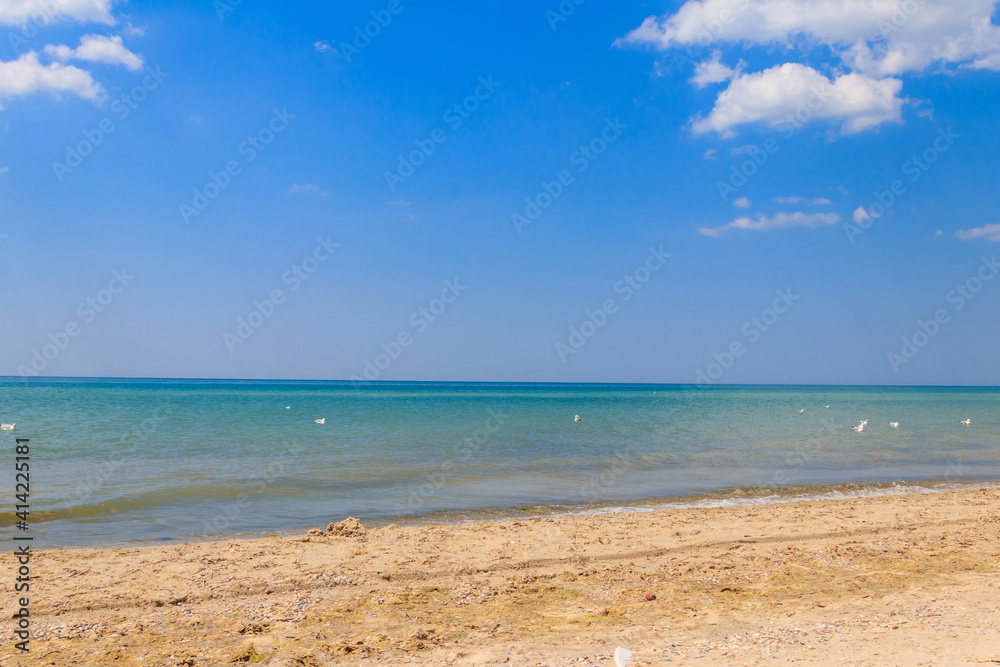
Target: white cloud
818	201
322	47
938	233
710	154
780	220
134	31
988	232
4	170
100	49
26	75
878	37
740	150
21	12
713	71
307	187
874	40
742	202
861	215
776	95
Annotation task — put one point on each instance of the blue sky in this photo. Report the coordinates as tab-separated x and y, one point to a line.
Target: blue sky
249	154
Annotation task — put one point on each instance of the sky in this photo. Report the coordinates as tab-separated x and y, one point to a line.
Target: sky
714	191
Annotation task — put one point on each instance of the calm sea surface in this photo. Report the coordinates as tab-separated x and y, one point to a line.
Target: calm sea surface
120	461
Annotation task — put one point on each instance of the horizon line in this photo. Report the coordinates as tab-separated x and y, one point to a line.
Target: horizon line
41	378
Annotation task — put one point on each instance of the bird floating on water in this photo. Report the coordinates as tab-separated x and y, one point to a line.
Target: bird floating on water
826	406
288	407
859	428
7	427
965	422
320	421
577	418
894	424
802	410
863	422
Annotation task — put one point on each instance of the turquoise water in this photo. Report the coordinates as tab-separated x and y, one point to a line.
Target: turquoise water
119	461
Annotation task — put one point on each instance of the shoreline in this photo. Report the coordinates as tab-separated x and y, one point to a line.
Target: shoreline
898	578
741	496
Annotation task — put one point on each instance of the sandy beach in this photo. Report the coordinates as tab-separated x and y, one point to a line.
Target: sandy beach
903	579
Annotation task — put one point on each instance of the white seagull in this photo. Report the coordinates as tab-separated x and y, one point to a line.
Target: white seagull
320	421
7	427
577	418
826	406
965	422
288	407
802	410
859	428
894	424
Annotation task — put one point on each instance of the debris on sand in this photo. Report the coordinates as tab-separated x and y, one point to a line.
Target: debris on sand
349	527
249	654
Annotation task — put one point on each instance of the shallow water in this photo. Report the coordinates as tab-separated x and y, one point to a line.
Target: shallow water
116	461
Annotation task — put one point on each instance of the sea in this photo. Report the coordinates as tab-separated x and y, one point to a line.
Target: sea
118	462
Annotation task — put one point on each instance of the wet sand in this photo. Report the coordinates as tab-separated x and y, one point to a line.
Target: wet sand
889	580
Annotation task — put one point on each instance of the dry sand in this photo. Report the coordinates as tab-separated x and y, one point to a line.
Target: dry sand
892	580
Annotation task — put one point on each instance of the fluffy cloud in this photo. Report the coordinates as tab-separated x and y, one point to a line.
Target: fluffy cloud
742	202
713	71
879	37
99	49
792	92
21	12
780	220
861	215
988	232
26	75
875	41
